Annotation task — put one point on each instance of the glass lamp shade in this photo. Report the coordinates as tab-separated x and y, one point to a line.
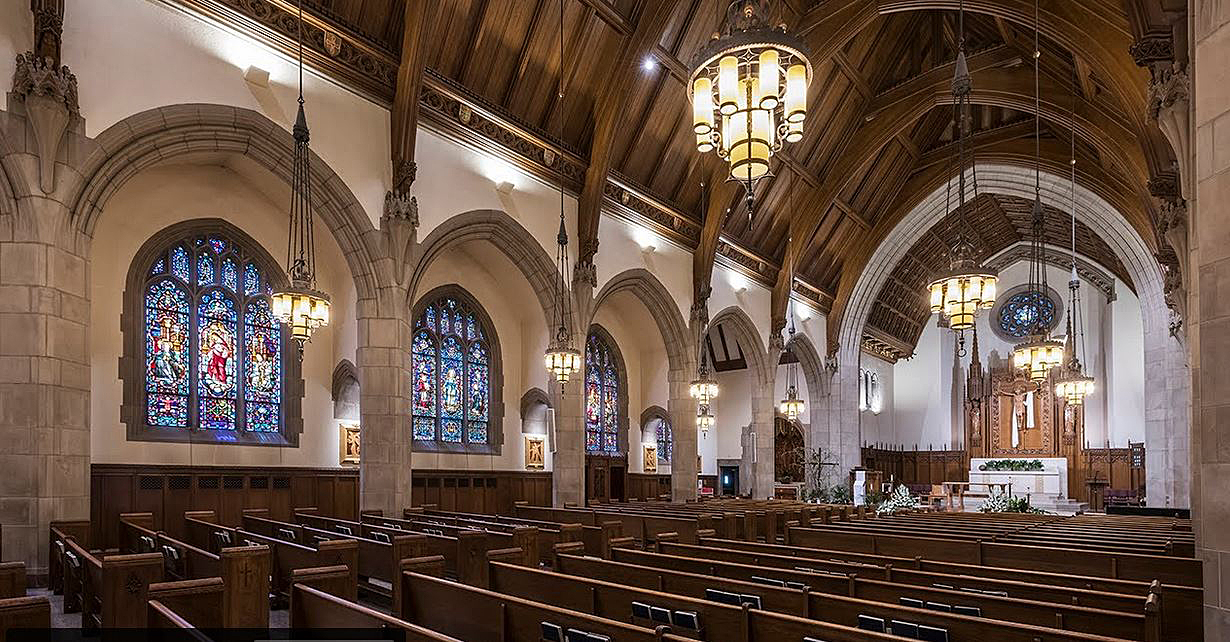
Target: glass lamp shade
562	360
792	407
1074	388
704	419
302	308
960	293
1037	356
749	95
703	389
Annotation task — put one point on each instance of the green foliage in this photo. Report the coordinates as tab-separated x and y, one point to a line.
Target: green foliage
1004	503
899	500
1014	465
841	494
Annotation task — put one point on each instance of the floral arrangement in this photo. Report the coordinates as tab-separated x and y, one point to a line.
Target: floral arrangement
899	500
1015	465
1005	503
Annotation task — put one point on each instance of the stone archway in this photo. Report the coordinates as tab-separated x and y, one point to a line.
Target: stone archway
681	361
756	471
179	132
1166	429
507	235
814	378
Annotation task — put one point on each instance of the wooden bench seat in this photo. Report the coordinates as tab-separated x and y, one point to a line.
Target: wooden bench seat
24	613
314	609
809	606
110	589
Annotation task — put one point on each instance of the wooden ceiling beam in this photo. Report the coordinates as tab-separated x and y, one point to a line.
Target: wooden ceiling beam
403	119
607	114
523	57
719	192
1019	152
978	141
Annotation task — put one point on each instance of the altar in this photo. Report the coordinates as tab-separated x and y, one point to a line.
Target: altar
1049	483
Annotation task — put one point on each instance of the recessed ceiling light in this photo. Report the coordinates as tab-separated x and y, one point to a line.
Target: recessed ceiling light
649	64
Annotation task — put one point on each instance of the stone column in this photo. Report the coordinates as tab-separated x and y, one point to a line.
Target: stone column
568	460
383	356
758	458
1208	326
682	410
44	309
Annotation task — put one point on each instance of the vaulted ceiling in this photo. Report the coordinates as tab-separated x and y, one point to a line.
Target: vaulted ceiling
879	132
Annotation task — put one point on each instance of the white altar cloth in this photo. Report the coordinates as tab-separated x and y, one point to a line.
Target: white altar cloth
1052	480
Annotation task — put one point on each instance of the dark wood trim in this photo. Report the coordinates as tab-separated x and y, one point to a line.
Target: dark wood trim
480	491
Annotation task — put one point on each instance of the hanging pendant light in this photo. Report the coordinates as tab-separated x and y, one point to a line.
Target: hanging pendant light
561	358
301	305
792	407
748	88
704	419
1039	353
1073	384
704	388
967	286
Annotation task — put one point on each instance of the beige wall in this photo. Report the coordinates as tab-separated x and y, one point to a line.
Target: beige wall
238	193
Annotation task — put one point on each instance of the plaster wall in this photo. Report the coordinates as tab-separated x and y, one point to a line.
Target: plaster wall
157	198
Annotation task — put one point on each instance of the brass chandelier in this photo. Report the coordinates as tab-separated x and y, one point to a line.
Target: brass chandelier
561	358
300	305
967	286
1039	352
704	388
748	89
792	406
1073	384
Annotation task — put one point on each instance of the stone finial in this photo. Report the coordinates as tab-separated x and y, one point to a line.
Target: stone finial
399	225
50	97
585	272
1170	85
36	76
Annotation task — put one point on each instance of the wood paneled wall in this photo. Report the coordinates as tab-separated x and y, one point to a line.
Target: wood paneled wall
1116	465
168	491
476	491
917	466
644	486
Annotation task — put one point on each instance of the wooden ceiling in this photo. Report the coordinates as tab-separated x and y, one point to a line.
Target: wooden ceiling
879	129
901	310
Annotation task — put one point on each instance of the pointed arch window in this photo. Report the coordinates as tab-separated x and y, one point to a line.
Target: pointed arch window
666	441
212	359
451	370
604	397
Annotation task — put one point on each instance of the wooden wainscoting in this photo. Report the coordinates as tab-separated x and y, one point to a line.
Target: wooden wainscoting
168	491
918	466
477	491
642	486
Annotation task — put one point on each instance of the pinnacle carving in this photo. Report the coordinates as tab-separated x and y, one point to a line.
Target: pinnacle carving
36	76
399	225
1170	85
584	272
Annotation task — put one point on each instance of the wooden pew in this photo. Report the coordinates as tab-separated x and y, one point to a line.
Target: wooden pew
1181	606
59	532
24	613
1166	569
312	609
12	579
548	533
200	603
137	533
525	538
1142	625
471	613
692	617
111	590
810	606
644	528
288	556
244	571
201	529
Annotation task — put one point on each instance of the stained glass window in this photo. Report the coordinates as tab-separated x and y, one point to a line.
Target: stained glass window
450	374
602	397
213	350
1024	311
665	440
